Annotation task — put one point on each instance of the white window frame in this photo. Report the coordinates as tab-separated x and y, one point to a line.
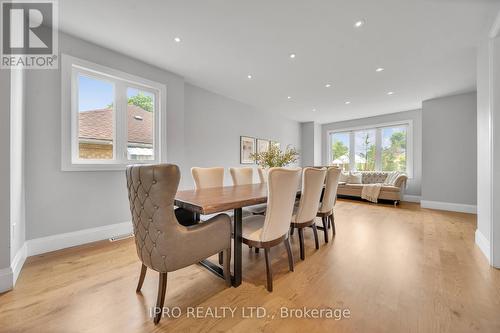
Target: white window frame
71	67
378	142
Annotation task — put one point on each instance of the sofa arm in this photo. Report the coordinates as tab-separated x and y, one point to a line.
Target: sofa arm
401	182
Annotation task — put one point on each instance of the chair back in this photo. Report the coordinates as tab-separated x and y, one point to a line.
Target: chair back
282	189
207	177
313	180
241	176
330	195
151	193
262	175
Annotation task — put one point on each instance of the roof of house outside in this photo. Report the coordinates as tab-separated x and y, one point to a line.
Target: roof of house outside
98	125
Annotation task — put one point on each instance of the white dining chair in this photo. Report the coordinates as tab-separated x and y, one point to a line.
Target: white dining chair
244	176
262	175
207	177
326	208
241	176
273	229
313	180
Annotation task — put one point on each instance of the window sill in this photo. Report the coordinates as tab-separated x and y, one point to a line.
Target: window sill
100	167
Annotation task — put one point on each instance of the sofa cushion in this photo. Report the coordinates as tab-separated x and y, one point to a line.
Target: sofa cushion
344	176
372	177
355	178
391	177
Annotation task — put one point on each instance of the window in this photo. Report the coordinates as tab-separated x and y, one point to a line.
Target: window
384	147
110	118
340	146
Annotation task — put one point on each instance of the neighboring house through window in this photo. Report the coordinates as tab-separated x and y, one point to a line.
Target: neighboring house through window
110	118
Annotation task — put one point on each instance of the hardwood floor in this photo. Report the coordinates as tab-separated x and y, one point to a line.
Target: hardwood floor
402	269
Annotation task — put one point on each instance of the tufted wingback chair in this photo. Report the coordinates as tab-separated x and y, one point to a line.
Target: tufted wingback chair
162	243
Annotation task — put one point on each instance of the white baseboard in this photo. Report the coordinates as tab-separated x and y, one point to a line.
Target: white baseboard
18	262
454	207
70	239
483	243
9	275
411	198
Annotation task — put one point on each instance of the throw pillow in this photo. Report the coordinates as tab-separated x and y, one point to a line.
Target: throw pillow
391	178
355	178
344	176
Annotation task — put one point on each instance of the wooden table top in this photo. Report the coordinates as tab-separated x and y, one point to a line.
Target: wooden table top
219	199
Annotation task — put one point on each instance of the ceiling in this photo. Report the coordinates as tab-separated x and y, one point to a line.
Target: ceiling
427	48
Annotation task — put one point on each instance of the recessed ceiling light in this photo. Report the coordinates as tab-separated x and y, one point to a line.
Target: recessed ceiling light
249	76
380	69
289	97
347	102
177	40
359	23
292	55
390	93
328	85
314	110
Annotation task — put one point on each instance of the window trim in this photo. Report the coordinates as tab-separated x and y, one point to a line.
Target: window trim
378	142
69	109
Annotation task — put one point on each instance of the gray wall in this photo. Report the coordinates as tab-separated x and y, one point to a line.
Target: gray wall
59	202
207	133
4	169
307	138
214	124
449	148
414	183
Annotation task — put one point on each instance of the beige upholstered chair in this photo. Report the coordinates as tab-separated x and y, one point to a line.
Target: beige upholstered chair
241	176
325	210
162	243
273	228
208	177
313	180
244	176
262	175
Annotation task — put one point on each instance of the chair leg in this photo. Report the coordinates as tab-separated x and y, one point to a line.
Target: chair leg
227	266
301	243
332	221
325	221
268	271
290	254
160	300
256	250
141	278
315	231
221	258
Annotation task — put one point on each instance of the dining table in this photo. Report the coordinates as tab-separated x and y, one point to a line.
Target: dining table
205	201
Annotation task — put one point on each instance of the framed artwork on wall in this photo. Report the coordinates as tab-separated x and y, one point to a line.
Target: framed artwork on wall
247	148
262	145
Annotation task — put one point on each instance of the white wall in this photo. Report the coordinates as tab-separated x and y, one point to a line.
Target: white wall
484	178
214	124
4	174
17	158
449	148
59	202
414	183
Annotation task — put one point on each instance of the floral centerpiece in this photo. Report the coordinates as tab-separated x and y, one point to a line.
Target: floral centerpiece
275	157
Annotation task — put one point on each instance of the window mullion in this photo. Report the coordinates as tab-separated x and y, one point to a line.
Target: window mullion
378	149
120	117
352	152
